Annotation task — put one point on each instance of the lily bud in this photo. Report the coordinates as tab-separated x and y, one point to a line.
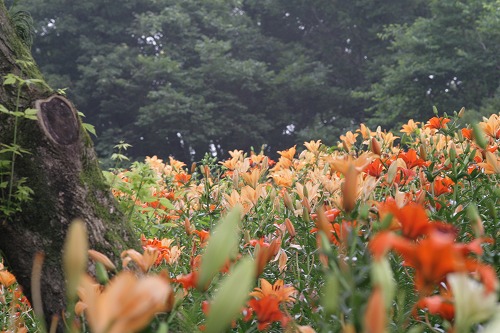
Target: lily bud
475	218
75	257
381	275
290	228
98	257
375	146
452	152
422	152
350	189
461	112
478	135
288	201
391	172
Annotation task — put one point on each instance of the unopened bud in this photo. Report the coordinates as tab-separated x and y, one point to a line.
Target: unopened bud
330	294
193	167
101	273
461	112
375	146
391	172
422	152
288	201
289	227
476	222
75	257
478	135
381	275
350	189
188	227
452	152
98	257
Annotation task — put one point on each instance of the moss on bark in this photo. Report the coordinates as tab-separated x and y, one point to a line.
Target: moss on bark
67	183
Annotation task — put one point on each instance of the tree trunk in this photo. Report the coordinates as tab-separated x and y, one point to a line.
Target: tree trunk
62	170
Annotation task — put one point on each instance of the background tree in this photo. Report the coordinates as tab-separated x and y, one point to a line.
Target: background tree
343	35
448	60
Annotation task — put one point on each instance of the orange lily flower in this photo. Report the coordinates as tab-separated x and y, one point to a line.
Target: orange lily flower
441	305
442	185
431	269
491	165
410	127
278	290
313	146
437	123
412	218
143	261
467	133
264	253
187	281
348	140
203	234
289	153
411	159
126	304
7	278
375	168
182	179
268	311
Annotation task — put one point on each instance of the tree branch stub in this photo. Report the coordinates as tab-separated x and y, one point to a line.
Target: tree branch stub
58	119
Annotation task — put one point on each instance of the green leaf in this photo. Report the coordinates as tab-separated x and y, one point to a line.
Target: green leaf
223	244
9	79
30	114
165	202
89	128
3	109
231	296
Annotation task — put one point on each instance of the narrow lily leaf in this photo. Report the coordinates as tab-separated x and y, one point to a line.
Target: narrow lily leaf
223	245
231	296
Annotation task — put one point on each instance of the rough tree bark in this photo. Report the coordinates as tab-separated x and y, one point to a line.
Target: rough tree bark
64	174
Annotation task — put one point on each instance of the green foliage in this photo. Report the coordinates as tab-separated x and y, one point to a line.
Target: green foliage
14	191
449	58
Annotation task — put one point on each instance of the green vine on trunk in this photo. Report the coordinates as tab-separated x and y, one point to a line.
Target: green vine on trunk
14	192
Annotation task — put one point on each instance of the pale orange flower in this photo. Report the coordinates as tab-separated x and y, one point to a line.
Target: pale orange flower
348	140
7	278
491	164
126	304
155	163
143	261
313	146
365	132
491	126
252	177
410	127
177	165
283	178
289	153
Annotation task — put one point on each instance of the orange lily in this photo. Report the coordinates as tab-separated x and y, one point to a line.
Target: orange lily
126	304
268	311
437	123
278	290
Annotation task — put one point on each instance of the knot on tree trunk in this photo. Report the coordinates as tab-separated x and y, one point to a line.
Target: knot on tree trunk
58	119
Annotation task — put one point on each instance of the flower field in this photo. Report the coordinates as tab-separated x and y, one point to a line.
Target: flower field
381	233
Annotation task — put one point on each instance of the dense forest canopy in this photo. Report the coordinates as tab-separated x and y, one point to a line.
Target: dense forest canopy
186	77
